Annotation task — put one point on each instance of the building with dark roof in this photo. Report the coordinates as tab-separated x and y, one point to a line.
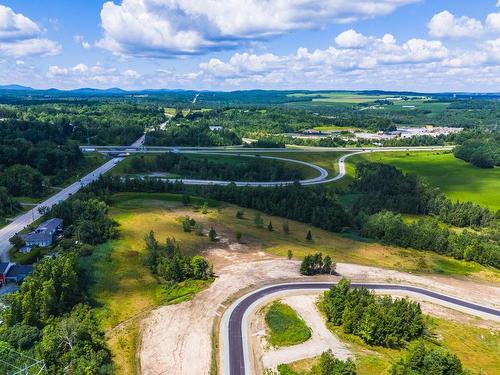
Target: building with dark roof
43	235
4	270
18	272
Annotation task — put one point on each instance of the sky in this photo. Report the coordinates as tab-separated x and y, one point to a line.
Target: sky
415	45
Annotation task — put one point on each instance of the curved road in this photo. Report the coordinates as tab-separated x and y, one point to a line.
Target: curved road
236	360
321	179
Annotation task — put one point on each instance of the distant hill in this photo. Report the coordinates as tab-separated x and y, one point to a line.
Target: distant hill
15	87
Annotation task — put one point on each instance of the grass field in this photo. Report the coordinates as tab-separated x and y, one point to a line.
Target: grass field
457	179
326	160
286	328
121	285
476	347
125	290
340	97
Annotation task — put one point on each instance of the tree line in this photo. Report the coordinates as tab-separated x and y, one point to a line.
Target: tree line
384	187
423	234
482	152
377	320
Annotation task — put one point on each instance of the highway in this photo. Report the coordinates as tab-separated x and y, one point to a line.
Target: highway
321	179
23	220
236	355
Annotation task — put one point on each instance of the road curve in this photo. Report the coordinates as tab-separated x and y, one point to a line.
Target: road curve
236	358
321	179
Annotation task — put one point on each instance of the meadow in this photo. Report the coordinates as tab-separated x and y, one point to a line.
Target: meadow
457	179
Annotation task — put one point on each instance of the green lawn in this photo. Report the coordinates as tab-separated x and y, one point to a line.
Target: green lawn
457	179
286	328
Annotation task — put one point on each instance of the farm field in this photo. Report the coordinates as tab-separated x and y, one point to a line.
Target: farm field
340	97
457	179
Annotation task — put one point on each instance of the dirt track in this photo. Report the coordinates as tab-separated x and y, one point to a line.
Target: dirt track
176	340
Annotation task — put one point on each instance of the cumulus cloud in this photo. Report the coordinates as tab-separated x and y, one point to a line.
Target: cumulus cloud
447	25
493	22
351	39
184	27
371	56
98	75
20	36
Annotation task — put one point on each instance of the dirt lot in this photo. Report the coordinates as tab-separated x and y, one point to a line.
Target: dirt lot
177	339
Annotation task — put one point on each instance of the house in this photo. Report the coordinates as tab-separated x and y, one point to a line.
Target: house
216	128
4	270
18	272
44	234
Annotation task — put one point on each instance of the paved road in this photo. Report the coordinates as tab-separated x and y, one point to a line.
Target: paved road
235	330
22	221
321	179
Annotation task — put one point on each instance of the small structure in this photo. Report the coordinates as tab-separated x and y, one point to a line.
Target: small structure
44	234
17	273
4	270
216	128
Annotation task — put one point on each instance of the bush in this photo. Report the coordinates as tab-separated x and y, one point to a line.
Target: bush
315	264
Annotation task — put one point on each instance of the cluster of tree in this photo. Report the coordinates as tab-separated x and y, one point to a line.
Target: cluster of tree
328	365
242	169
8	205
86	220
315	264
110	121
384	187
46	319
421	360
481	152
191	134
282	140
169	264
378	320
23	180
390	228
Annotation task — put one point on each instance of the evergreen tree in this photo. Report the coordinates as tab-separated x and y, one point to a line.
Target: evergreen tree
290	254
309	236
286	228
212	234
270	226
258	220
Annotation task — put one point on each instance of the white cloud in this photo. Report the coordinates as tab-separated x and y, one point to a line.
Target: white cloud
183	27
493	22
446	25
351	39
30	47
15	25
97	75
20	36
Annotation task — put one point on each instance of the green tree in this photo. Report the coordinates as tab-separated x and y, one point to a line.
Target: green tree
270	226
329	365
290	254
198	229
212	234
309	236
17	241
204	208
186	224
201	268
240	214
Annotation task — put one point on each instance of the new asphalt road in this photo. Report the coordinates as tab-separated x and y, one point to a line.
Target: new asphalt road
22	221
236	357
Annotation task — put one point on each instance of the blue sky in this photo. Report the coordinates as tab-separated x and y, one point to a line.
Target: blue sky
422	45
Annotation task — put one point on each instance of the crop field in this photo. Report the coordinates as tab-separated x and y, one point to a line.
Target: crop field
457	179
340	97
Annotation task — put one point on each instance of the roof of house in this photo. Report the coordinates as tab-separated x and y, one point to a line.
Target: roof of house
43	232
20	270
49	225
4	267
